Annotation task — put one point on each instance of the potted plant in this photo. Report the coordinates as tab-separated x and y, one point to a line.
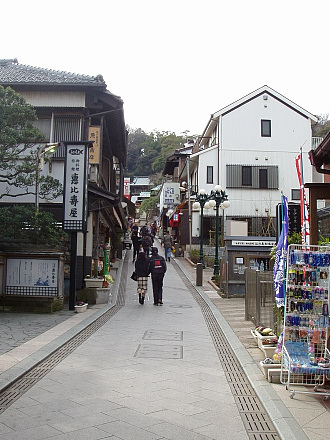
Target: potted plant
108	279
80	307
93	282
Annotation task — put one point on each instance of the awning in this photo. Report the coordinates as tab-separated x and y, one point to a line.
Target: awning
321	155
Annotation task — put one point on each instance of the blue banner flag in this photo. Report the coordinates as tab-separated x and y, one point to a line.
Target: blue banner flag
281	253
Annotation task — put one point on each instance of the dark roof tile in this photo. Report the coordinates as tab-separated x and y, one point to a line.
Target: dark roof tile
11	72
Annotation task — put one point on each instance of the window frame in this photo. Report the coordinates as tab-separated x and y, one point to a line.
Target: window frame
263	178
266	129
246	175
209	174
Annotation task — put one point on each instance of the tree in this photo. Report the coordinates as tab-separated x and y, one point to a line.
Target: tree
148	205
19	222
147	152
321	128
19	141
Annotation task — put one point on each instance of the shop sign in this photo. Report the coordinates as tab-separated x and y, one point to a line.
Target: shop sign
27	276
75	186
252	243
94	151
127	182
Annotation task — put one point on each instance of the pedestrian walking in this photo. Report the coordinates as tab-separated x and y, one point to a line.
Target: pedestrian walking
167	240
136	241
142	272
157	269
147	243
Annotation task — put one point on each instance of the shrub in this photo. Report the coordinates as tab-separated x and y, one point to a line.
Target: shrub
194	255
20	223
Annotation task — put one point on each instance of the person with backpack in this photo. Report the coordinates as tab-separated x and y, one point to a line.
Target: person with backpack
157	269
146	243
167	240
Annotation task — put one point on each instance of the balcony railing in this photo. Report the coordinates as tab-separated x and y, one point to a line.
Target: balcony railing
316	141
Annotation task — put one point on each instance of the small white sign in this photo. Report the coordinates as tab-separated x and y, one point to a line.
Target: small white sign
253	243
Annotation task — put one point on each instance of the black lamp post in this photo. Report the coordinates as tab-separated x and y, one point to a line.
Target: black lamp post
202	202
218	198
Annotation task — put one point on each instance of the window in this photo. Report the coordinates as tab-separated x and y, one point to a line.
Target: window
263	178
67	128
295	194
209	177
246	176
252	176
265	128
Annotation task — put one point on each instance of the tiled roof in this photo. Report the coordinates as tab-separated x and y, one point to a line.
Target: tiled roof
141	181
11	72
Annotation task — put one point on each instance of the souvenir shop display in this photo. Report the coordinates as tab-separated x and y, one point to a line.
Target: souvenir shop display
305	357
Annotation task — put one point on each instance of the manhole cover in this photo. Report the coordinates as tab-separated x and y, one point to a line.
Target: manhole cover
159	351
163	335
180	306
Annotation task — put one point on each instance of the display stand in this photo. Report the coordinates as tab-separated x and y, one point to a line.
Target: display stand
305	357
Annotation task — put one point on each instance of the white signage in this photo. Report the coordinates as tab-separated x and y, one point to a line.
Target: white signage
75	188
29	272
252	243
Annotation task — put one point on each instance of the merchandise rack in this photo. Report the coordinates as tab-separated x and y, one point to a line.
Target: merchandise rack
305	357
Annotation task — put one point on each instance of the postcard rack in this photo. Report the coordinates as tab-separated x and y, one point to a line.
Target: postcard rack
305	357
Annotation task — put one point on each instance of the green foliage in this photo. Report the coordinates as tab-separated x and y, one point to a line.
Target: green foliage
324	241
294	238
18	137
321	128
20	223
147	152
148	205
194	255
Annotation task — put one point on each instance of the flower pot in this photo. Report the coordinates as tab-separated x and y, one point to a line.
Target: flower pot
93	282
80	309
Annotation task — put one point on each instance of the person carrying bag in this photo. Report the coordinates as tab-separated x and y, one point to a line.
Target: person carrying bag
141	271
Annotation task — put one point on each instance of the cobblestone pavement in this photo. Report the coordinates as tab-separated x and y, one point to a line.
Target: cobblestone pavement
18	328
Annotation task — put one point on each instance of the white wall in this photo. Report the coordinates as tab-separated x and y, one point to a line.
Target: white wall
241	143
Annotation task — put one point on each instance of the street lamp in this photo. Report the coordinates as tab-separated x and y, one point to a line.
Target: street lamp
41	151
201	202
218	198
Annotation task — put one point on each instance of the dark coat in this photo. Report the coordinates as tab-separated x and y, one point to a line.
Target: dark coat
136	241
157	265
142	267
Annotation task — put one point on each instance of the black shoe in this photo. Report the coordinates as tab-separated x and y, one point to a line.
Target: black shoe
160	303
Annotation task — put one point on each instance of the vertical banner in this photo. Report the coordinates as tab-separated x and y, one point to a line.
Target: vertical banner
127	190
75	186
94	151
280	257
304	214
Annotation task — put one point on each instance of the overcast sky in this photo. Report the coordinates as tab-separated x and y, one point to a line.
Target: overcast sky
176	62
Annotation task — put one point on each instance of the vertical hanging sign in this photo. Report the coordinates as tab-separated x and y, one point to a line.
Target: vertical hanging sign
75	186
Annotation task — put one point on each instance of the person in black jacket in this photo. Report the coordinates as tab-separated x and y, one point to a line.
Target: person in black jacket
142	272
147	243
157	268
136	241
